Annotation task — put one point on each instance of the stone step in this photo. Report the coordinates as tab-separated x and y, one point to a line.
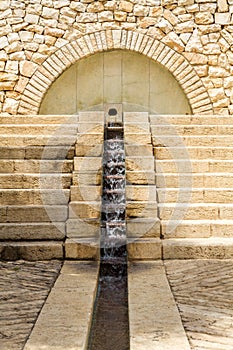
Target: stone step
84	164
34	213
34	181
141	209
134	163
195	195
137	128
196	140
191	130
37	152
32	251
141	193
191	119
194	166
198	248
194	211
194	153
38	129
87	178
140	177
196	228
84	210
136	150
34	197
143	227
36	166
144	249
82	249
83	150
32	231
195	180
39	119
91	127
85	193
141	138
77	228
25	140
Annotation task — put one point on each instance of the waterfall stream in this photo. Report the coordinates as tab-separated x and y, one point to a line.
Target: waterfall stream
110	325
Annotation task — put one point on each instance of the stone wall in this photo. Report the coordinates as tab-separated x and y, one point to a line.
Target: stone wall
39	39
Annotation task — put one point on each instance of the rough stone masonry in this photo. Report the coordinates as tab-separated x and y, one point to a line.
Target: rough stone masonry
31	31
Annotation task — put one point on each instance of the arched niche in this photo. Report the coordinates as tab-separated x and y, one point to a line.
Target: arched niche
117	76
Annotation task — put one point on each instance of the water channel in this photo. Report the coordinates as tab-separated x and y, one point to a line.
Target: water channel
110	324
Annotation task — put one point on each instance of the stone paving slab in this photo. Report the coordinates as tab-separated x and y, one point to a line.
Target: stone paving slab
65	320
155	322
203	290
24	287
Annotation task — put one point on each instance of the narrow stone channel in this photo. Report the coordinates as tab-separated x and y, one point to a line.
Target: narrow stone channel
110	324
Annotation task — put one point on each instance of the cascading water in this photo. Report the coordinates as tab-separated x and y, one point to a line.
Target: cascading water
110	327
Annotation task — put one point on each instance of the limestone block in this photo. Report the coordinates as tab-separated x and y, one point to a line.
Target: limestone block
120	16
88	178
143	227
136	127
126	6
204	18
139	163
186	228
199	248
105	16
140	177
219	181
172	40
4	42
84	164
32	19
27	68
140	209
32	251
96	6
84	210
140	10
222	18
138	150
226	211
52	213
89	139
179	180
35	197
82	150
77	228
144	249
142	138
183	195
219	195
32	231
85	193
188	211
11	106
222	228
82	249
65	319
141	193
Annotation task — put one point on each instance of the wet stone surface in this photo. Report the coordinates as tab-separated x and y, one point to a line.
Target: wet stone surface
24	287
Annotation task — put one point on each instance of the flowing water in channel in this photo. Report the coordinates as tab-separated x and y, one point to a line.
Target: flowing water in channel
110	325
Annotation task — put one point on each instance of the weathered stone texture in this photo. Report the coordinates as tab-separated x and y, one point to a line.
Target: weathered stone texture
32	31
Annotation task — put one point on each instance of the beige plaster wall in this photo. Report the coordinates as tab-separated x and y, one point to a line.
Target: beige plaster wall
116	77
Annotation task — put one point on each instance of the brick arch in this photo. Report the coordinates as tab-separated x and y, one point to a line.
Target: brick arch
89	44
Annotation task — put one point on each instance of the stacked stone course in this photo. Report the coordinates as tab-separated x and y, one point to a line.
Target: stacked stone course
31	31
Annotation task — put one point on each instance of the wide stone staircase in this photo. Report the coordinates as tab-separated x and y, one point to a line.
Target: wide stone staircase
179	190
194	179
36	163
